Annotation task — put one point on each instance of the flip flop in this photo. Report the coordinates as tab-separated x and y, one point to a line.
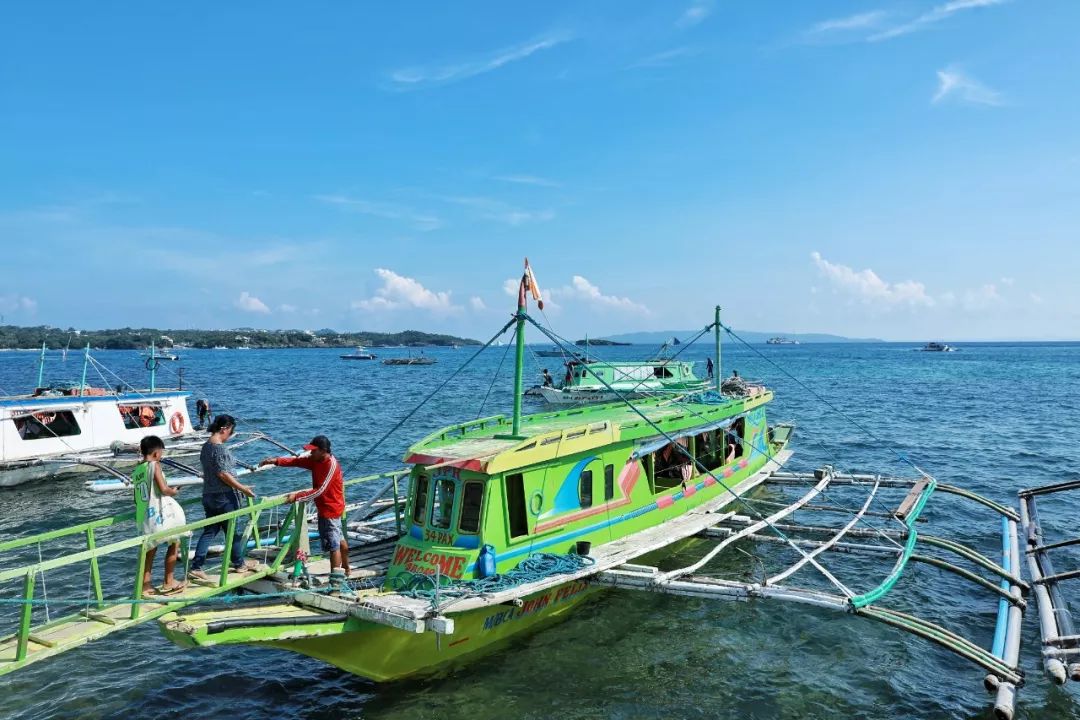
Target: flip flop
172	590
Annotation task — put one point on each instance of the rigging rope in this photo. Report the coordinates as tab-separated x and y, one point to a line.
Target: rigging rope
904	458
493	379
738	498
430	395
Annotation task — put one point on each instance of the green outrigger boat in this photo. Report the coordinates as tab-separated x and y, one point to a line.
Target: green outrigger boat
507	523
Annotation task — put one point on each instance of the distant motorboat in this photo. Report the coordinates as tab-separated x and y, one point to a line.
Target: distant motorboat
161	355
360	354
781	341
220	347
937	347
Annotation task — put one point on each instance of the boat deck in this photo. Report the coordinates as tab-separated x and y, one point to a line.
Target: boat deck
417	615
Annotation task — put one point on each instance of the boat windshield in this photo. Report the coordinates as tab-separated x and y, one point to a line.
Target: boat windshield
442	507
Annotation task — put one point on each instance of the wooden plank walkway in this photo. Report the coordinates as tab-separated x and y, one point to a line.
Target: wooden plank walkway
90	624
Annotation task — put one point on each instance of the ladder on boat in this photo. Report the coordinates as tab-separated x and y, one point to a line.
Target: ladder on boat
108	603
874	528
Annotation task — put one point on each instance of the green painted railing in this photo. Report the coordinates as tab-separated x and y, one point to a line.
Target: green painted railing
868	598
289	533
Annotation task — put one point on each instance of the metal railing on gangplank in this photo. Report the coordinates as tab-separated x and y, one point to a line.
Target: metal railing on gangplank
111	603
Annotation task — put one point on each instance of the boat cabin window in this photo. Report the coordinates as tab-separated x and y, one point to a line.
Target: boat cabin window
585	489
670	467
515	505
705	449
442	506
609	482
42	425
661	371
472	498
141	416
420	499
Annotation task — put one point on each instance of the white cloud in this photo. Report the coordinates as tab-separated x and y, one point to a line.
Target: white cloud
510	286
582	290
400	292
868	287
528	180
287	308
1007	281
954	84
981	298
1036	298
696	13
17	304
666	58
389	211
477	304
431	75
933	16
860	21
501	212
249	303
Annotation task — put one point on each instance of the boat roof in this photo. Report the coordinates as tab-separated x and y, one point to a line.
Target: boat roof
133	398
486	445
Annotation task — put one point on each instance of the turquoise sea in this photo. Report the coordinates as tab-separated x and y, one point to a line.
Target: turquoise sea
991	417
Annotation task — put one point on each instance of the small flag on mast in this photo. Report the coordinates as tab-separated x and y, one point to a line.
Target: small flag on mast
532	286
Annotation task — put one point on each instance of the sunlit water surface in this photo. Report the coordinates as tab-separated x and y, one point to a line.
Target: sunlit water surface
991	417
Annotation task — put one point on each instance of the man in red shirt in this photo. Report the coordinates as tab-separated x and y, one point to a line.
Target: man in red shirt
328	492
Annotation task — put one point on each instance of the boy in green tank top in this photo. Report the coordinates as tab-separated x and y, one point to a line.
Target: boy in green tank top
156	510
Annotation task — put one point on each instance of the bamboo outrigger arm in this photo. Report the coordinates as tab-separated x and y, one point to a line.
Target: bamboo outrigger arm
1001	661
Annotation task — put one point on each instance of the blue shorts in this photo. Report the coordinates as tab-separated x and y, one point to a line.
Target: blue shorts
330	533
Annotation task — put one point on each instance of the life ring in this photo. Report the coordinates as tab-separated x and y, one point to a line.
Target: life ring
176	423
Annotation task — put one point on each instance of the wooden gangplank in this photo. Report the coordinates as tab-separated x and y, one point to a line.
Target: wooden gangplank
93	622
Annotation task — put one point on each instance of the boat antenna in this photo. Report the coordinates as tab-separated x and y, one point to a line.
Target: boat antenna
716	329
85	362
41	366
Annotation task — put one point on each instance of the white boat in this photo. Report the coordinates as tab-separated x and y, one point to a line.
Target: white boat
937	347
160	355
360	354
60	429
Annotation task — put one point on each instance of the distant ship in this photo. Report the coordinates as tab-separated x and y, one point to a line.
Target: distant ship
937	347
781	341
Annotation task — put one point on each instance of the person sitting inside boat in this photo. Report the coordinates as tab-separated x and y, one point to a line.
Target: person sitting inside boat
222	493
328	492
548	380
670	463
156	510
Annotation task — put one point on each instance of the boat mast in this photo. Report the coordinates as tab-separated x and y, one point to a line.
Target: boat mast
153	365
41	366
716	328
85	362
519	362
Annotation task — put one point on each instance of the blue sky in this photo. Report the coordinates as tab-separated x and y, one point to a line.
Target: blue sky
899	169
